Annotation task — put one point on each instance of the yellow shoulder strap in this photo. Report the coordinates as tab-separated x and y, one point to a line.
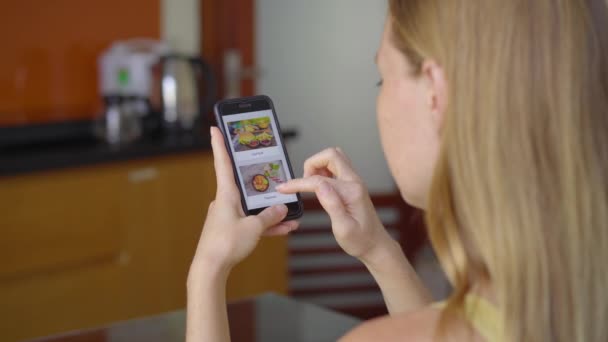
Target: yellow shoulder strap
484	317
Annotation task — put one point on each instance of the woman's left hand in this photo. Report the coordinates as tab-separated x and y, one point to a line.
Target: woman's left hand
228	235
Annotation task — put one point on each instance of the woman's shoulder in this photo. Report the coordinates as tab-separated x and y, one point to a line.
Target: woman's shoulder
420	325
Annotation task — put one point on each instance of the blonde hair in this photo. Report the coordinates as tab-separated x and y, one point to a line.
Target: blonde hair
520	193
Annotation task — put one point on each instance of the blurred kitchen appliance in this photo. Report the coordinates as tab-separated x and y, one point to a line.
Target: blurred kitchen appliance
147	88
187	91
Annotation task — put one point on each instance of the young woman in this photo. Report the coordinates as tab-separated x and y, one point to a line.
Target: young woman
493	118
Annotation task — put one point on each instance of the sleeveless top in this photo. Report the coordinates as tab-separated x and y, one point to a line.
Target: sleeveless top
483	316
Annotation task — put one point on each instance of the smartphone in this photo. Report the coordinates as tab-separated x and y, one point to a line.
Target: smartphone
259	158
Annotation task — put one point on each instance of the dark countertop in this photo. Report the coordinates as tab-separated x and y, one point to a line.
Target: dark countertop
24	159
82	150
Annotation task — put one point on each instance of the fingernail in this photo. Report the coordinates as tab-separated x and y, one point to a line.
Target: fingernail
281	208
211	131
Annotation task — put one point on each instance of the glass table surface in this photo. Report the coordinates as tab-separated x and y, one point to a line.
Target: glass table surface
268	317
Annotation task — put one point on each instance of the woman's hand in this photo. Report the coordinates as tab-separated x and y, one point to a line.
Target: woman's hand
341	192
358	229
228	235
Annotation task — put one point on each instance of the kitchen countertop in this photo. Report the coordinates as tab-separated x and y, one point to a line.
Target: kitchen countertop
85	151
34	158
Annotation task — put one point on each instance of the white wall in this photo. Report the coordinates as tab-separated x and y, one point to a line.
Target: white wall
317	62
180	22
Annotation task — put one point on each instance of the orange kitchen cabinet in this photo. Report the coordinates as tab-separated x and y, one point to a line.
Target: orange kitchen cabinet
86	246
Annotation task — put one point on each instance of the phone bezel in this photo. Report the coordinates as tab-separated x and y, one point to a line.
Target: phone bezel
246	105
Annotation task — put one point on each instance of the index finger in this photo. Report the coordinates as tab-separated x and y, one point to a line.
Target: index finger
224	175
333	160
307	184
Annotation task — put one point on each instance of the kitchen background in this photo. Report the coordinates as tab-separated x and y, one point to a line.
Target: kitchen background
104	190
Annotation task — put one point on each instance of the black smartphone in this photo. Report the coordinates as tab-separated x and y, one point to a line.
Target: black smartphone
259	158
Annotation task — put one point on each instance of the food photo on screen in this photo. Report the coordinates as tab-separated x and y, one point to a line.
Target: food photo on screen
251	134
262	178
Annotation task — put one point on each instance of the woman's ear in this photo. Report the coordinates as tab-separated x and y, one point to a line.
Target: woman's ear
434	76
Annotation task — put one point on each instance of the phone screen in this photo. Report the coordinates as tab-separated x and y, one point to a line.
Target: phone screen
259	157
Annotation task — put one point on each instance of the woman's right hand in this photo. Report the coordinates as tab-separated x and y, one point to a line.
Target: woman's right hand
341	192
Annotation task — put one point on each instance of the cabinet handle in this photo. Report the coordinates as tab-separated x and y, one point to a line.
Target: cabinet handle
123	259
143	175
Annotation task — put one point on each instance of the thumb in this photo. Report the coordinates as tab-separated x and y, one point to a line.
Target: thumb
270	217
332	203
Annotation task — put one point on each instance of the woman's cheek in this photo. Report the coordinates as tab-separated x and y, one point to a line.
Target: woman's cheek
381	117
389	132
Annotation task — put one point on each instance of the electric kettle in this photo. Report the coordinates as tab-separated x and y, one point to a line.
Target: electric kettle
187	91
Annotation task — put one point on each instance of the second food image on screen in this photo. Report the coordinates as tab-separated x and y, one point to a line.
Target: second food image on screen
251	134
262	178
